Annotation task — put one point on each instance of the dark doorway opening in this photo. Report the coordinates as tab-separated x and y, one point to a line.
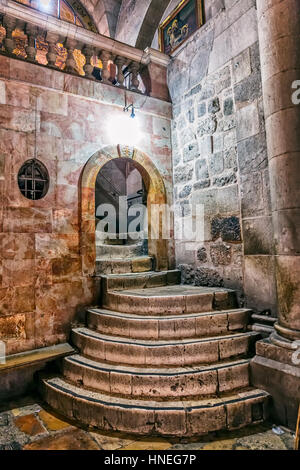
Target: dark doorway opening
120	185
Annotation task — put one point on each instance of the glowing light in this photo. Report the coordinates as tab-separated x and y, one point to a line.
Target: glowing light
124	130
45	5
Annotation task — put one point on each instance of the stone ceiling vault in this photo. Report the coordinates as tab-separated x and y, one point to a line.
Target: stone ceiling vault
133	22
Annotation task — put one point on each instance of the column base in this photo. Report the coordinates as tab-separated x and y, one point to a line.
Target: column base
288	333
275	369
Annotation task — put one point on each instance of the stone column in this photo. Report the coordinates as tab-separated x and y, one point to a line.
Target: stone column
275	367
279	38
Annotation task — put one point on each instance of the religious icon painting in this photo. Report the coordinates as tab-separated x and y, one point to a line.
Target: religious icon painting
187	17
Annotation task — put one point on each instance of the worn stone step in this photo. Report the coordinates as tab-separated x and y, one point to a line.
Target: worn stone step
140	280
119	252
120	266
173	353
121	239
167	327
157	383
177	418
169	299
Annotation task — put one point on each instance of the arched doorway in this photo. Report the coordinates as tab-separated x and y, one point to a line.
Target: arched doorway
156	195
121	211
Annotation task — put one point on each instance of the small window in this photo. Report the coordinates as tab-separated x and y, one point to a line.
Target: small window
33	180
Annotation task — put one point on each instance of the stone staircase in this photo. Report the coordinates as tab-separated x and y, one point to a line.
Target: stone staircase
159	358
114	256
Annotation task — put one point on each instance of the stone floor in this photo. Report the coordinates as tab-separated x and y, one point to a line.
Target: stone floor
28	424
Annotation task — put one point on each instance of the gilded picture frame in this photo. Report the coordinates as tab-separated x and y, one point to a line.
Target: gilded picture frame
184	20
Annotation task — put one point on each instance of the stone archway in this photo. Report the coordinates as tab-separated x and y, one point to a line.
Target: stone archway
156	195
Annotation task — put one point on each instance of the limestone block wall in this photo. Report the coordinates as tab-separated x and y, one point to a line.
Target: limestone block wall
42	284
220	154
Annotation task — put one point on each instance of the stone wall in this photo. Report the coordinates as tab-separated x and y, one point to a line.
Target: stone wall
219	154
42	285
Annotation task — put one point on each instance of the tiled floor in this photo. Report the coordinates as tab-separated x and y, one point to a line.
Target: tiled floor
28	424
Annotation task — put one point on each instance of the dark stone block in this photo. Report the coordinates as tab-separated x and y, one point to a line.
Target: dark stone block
208	278
228	107
193	91
225	180
202	255
255	194
228	229
220	254
249	89
202	184
187	274
186	191
11	446
258	236
214	106
252	153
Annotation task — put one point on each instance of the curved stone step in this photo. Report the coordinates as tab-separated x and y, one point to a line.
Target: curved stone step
157	383
120	239
174	353
179	418
119	266
119	251
140	280
167	327
169	299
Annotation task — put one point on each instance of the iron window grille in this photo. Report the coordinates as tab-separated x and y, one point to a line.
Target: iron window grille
33	180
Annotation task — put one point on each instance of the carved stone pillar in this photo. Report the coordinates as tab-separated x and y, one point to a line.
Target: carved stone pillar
112	70
88	51
71	45
31	32
134	69
105	58
276	366
52	40
120	62
10	25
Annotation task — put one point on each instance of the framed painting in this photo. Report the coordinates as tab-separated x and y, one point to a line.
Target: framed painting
187	17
